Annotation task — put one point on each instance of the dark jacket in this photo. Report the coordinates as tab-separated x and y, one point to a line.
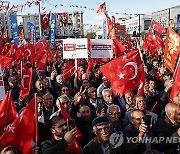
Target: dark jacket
94	147
133	148
164	128
53	146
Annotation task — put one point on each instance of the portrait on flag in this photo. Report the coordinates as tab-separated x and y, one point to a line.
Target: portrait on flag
62	19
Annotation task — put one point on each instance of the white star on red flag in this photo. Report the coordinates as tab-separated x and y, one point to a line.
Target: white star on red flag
11	128
121	76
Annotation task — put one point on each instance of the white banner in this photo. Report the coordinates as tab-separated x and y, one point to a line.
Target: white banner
101	48
2	89
75	48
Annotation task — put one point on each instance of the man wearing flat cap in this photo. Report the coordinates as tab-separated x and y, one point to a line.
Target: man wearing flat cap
101	143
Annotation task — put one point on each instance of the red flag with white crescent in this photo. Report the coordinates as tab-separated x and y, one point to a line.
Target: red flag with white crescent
26	80
124	72
45	19
21	132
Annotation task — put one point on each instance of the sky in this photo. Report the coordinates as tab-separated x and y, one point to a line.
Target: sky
90	15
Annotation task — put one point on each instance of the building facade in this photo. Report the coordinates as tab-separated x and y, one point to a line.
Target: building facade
132	24
167	16
68	24
6	22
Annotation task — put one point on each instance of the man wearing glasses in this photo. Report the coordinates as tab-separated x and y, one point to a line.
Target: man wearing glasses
135	132
101	144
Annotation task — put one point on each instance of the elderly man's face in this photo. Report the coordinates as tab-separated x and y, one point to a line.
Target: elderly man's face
114	114
140	103
93	93
48	100
137	119
103	133
108	97
129	98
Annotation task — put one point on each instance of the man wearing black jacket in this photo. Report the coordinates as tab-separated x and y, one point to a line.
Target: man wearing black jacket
60	139
168	127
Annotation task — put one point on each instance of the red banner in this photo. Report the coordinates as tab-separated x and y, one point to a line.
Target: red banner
172	48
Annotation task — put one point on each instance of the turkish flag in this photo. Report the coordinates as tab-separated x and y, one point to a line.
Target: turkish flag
142	83
73	147
28	52
54	55
160	43
176	85
172	49
12	50
7	111
68	71
124	72
21	132
26	80
101	8
157	27
152	44
91	62
119	48
42	63
41	44
5	61
45	18
111	27
145	44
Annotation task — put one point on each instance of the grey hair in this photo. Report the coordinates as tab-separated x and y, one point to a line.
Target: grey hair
61	97
60	75
105	90
113	106
90	89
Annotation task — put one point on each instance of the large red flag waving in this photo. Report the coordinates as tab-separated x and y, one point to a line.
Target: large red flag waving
172	49
7	111
157	27
21	132
124	73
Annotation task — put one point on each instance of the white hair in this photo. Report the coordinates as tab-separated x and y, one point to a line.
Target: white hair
105	90
113	106
61	97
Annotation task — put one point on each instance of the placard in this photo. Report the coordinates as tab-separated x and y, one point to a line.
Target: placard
101	48
75	48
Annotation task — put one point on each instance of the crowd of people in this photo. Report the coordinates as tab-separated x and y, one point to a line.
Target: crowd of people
98	113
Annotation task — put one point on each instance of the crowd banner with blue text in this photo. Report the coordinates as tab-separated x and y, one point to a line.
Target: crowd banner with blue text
15	32
53	28
32	33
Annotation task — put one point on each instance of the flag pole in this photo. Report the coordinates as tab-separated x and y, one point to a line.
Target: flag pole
36	120
177	64
40	29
